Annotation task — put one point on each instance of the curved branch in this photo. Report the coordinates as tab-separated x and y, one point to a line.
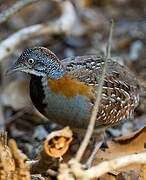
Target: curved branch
75	169
64	24
114	164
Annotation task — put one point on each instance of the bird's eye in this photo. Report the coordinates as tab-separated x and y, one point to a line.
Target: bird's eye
31	61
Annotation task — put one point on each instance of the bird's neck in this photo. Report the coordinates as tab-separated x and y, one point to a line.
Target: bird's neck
37	93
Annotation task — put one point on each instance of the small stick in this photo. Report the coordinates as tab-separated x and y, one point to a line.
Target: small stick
104	167
93	155
90	128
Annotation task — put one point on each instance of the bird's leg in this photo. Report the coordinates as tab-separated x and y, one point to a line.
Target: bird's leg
78	136
102	143
93	154
97	141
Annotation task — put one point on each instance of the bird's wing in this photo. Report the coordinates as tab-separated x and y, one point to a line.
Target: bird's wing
88	69
118	81
120	88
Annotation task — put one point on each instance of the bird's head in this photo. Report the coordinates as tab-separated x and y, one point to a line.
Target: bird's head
39	61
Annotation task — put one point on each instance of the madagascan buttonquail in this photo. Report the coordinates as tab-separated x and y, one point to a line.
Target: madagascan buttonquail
65	91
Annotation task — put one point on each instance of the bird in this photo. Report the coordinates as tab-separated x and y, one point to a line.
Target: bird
65	90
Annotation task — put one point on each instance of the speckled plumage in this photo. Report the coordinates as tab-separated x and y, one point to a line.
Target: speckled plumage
67	89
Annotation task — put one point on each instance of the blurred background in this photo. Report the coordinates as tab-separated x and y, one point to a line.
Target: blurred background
68	28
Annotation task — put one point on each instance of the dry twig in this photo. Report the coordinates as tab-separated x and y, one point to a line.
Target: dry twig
97	102
108	166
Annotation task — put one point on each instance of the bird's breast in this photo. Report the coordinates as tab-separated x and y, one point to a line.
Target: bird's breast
69	102
70	87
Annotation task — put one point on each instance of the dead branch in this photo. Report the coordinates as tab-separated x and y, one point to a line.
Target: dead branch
75	170
97	102
64	24
114	164
4	16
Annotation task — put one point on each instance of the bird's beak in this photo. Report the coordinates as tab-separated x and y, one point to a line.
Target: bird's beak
12	69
